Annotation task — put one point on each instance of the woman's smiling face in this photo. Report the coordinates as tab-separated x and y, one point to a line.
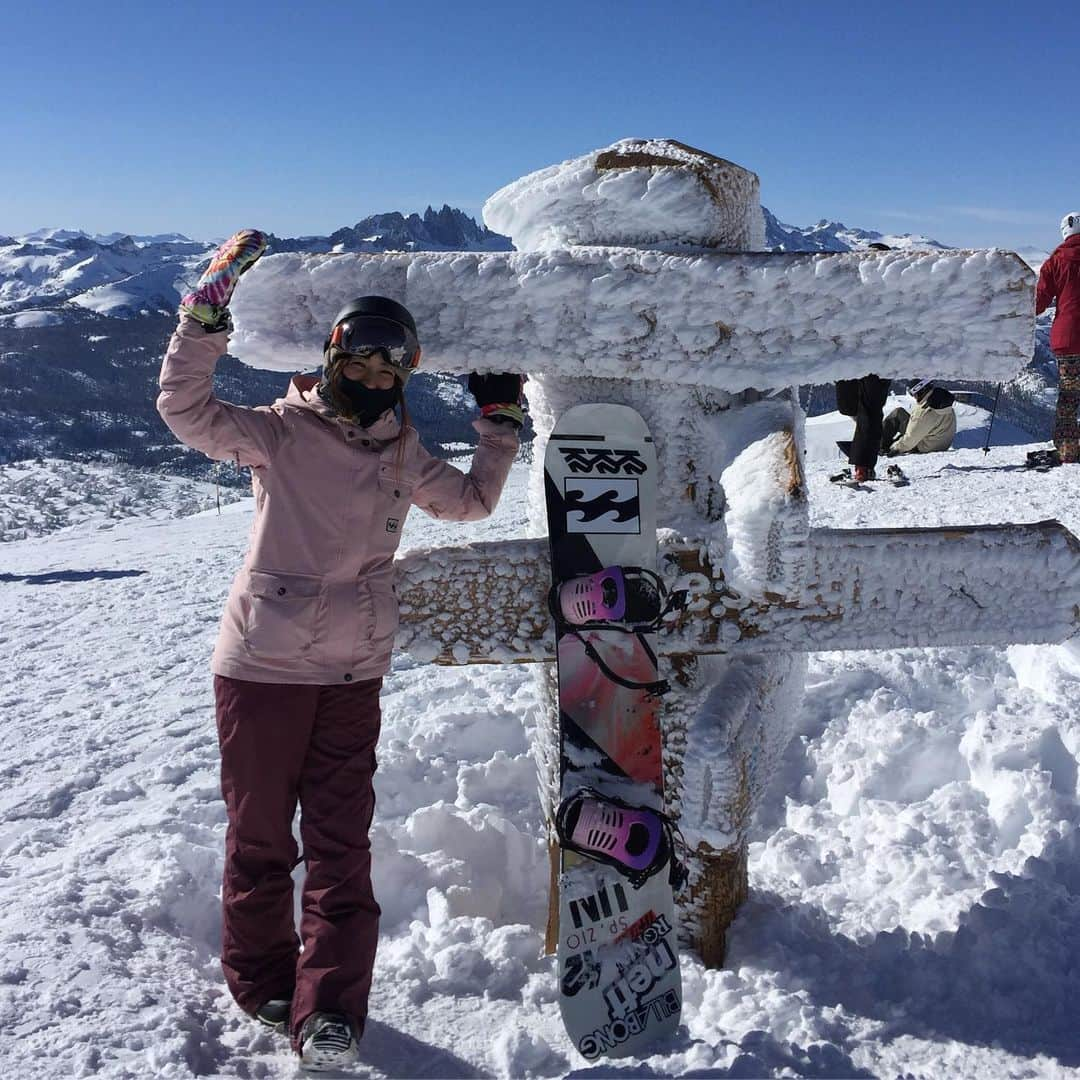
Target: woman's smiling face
369	370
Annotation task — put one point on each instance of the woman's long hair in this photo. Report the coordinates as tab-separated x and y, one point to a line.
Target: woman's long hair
406	423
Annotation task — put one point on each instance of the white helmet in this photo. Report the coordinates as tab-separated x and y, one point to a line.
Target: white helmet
1070	225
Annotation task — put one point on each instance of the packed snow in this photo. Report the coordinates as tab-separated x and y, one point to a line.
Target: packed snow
915	898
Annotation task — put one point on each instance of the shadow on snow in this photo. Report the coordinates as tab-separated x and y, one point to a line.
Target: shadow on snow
56	577
1006	977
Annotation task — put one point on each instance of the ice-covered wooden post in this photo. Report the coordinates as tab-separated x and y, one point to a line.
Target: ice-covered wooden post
727	718
640	282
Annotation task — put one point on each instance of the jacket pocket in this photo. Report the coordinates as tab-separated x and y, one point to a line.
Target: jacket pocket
378	620
394	487
282	612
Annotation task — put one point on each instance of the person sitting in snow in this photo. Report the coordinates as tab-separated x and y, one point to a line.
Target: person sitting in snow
1059	283
929	427
307	633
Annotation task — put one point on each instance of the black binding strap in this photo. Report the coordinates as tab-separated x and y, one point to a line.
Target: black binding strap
653	689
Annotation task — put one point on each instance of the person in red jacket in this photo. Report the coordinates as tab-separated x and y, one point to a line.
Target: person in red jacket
1059	282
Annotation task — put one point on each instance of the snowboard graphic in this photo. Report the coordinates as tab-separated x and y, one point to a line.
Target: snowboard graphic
619	981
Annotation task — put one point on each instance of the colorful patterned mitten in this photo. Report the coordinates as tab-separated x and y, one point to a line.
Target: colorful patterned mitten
209	303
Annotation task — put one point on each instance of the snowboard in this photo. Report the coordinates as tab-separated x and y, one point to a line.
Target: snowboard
620	986
893	475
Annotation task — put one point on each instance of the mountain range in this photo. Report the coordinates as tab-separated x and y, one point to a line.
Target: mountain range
84	319
54	274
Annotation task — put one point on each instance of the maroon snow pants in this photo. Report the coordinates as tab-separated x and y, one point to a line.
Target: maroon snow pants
281	744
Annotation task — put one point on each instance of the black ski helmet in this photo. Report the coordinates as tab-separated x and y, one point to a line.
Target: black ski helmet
381	309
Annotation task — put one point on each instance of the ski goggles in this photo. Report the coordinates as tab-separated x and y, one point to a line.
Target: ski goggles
365	335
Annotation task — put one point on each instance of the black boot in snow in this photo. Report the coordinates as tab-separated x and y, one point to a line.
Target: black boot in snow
1043	460
274	1014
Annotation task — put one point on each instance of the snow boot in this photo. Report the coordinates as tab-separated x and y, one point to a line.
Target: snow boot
853	477
1043	460
274	1014
328	1042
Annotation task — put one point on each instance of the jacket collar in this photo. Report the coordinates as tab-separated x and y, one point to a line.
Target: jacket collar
302	394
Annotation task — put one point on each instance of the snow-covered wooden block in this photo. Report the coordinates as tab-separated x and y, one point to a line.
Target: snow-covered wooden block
640	280
728	320
645	193
868	588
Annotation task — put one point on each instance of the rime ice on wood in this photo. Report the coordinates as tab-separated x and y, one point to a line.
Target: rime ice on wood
641	282
643	193
701	426
726	320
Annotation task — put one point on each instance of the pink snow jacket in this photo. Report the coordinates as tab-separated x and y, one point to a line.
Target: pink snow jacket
314	601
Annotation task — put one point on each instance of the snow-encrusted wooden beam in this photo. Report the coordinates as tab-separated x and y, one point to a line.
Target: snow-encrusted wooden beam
868	588
727	320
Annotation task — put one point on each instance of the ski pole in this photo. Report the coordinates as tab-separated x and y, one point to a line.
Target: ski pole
993	413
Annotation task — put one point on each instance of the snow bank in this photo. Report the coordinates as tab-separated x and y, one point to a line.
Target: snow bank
728	321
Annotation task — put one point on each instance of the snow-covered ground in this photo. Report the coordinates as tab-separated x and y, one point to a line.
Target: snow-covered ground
40	497
972	423
915	879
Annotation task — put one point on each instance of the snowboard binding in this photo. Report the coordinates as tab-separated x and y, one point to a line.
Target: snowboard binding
619	597
628	599
637	841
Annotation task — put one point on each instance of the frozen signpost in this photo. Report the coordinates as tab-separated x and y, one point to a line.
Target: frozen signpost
640	281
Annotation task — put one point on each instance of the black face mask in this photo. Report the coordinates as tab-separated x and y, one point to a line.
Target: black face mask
367	405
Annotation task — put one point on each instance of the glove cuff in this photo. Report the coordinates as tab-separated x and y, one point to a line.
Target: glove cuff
214	319
506	410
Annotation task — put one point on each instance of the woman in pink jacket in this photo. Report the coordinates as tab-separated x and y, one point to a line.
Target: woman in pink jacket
307	633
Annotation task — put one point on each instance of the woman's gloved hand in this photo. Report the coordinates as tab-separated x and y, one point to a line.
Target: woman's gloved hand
209	303
499	397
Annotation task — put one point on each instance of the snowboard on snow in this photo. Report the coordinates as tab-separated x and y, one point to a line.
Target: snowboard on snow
620	986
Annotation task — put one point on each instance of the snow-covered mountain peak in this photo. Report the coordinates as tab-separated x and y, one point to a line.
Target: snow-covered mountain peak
64	272
835	236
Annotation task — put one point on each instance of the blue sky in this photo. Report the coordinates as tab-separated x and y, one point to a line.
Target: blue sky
954	120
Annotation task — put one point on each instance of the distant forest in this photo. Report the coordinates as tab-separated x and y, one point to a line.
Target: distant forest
85	391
